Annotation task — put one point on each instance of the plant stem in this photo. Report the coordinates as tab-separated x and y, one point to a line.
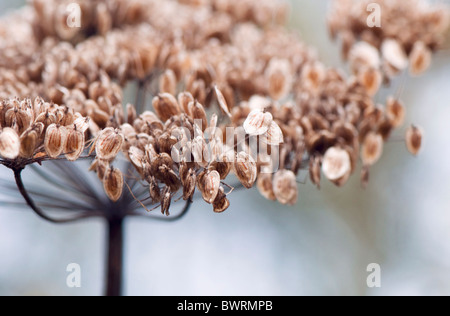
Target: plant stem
115	257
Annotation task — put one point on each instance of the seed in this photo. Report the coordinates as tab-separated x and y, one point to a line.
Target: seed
109	143
113	184
221	203
245	169
168	82
189	184
9	143
336	164
258	122
55	139
74	145
279	78
285	187
209	184
414	139
166	106
28	142
265	186
372	149
371	79
363	54
184	99
199	115
222	101
166	201
274	135
420	58
394	54
395	111
314	171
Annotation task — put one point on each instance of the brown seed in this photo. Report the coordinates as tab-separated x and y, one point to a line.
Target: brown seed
109	143
28	143
336	164
314	171
279	78
285	187
265	186
395	111
372	149
166	106
221	203
222	101
168	82
82	123
245	169
394	54
113	184
131	114
9	143
74	145
258	122
136	158
55	139
222	167
189	183
155	192
371	79
419	59
364	55
274	135
199	115
166	201
414	139
184	99
209	184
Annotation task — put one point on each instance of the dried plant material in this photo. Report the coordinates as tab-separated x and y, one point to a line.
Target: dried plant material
189	183
74	145
55	139
365	176
113	184
274	135
336	165
166	106
168	82
371	79
414	140
258	123
279	78
245	169
394	54
312	76
166	201
9	143
372	149
265	186
315	171
364	55
222	101
395	111
198	113
184	99
221	203
419	59
28	143
209	184
285	187
108	144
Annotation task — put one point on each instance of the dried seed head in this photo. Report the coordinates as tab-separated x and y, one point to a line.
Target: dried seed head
113	183
258	123
74	145
395	112
108	144
414	139
28	143
55	139
336	164
221	203
394	54
419	59
372	149
274	135
245	169
166	106
9	143
222	101
285	187
209	184
265	186
168	82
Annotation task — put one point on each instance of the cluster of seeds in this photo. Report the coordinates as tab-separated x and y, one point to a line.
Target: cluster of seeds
218	64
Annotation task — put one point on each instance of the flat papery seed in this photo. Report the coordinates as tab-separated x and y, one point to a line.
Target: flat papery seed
82	124
221	203
28	142
372	149
199	115
189	184
394	54
74	145
279	78
113	183
131	113
108	144
419	59
55	139
285	187
210	186
265	186
395	112
184	99
222	102
274	135
371	79
414	139
166	106
258	123
166	197
315	171
9	143
363	54
336	164
258	102
245	169
168	82
136	157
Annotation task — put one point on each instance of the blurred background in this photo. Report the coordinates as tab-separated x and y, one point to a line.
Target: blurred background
322	246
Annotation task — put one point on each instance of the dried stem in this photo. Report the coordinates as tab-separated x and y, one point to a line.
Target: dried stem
114	263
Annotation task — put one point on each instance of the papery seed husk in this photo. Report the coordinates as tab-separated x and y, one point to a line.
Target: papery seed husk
222	102
414	140
108	144
221	203
315	171
265	186
274	135
28	143
9	143
372	149
113	184
419	58
189	184
74	145
258	122
336	164
285	187
198	114
245	169
166	106
166	201
394	54
55	139
184	99
210	184
395	111
168	82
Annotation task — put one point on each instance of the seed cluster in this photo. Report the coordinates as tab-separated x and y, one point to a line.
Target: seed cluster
208	65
